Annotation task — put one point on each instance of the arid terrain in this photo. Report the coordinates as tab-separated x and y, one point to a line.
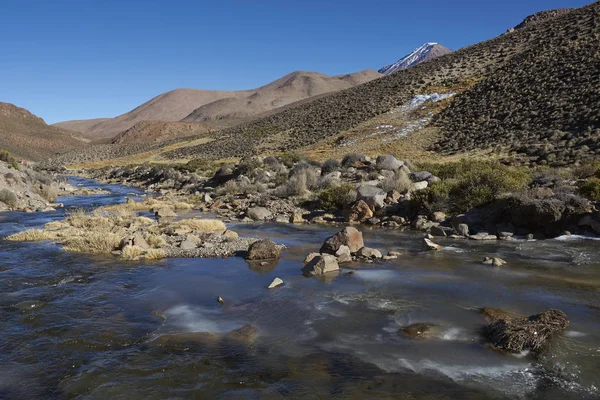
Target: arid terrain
528	95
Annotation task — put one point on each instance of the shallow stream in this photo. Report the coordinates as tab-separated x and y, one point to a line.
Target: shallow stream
95	327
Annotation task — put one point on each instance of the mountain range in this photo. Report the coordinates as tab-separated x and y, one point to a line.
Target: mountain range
219	108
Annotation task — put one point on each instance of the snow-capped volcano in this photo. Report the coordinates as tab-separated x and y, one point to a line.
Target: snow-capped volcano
426	52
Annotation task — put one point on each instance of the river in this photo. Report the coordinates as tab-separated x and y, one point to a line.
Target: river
95	327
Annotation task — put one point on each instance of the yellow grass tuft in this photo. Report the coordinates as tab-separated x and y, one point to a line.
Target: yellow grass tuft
156	241
32	235
93	242
196	224
137	253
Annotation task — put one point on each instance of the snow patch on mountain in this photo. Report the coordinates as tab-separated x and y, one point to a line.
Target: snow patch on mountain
418	55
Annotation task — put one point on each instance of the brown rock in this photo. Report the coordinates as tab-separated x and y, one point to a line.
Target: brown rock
263	250
320	265
349	236
358	212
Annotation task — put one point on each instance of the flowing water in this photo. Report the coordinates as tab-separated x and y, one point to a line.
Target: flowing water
81	326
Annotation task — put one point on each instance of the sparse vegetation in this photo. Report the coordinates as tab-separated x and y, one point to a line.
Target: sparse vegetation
8	197
468	184
9	159
337	197
591	189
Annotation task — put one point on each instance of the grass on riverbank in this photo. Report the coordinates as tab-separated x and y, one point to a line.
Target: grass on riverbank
101	232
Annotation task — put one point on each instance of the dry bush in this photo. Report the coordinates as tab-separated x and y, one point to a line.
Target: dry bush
32	235
137	253
49	192
196	224
230	188
93	242
156	241
8	197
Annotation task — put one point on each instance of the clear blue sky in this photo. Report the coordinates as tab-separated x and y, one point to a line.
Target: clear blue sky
78	59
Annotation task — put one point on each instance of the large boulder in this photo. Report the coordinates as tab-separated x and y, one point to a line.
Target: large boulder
358	212
165	213
320	265
263	250
591	221
348	236
515	335
372	195
259	213
388	162
420	176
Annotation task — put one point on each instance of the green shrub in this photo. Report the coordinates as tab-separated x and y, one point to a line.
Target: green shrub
469	184
588	170
200	164
336	197
8	198
290	158
9	159
590	189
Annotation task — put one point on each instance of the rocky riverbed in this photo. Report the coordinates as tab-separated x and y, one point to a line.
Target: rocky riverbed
394	317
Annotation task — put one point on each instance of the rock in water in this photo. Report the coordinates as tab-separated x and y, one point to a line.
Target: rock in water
263	250
495	261
259	213
165	213
429	245
276	282
367	252
320	265
349	236
518	334
418	331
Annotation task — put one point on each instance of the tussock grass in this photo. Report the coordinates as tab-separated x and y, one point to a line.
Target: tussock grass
33	235
204	225
93	242
137	253
147	205
155	241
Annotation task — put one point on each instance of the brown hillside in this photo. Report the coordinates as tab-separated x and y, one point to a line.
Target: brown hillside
157	131
291	88
29	137
193	105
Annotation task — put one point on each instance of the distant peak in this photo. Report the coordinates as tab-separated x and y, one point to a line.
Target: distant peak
425	52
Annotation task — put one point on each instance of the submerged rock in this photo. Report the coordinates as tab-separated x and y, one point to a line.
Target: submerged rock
494	261
264	249
515	335
320	265
246	334
418	331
